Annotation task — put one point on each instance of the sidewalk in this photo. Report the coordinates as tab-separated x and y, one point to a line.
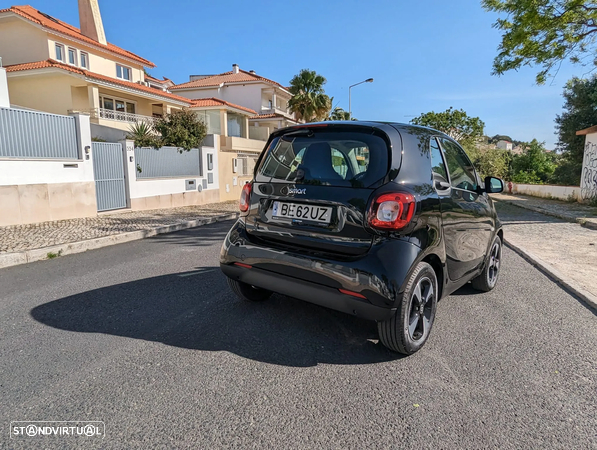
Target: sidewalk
572	212
557	245
26	243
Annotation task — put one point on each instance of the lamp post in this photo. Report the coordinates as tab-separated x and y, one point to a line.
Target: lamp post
368	80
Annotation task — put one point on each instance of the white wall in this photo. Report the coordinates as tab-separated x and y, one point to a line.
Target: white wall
247	95
588	179
4	98
546	191
140	188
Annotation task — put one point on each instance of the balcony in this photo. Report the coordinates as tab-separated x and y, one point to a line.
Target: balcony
275	110
120	116
235	144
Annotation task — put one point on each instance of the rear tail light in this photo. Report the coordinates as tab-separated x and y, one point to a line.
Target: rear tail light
392	211
245	198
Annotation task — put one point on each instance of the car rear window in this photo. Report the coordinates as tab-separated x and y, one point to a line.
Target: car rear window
351	159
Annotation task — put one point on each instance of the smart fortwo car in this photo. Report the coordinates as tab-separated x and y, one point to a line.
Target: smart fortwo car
377	220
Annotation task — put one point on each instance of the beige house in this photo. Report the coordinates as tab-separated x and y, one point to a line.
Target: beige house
268	98
237	153
54	67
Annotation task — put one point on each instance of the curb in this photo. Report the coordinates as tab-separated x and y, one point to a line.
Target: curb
39	254
571	287
582	221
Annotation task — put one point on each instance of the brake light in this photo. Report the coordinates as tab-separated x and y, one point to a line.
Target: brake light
392	211
245	198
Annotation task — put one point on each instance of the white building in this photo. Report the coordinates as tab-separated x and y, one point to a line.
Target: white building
268	98
504	145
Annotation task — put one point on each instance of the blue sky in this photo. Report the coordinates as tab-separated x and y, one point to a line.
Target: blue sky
424	56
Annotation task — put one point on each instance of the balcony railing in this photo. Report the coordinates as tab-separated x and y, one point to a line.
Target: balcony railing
275	110
120	116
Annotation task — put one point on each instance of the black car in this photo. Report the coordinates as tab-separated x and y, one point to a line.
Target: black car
378	220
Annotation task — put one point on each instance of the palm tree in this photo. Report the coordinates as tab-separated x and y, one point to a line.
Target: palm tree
309	101
339	114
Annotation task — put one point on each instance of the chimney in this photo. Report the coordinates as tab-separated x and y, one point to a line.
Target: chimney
90	20
235	68
252	72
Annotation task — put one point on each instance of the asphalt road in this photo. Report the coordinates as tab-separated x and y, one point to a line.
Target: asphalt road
146	337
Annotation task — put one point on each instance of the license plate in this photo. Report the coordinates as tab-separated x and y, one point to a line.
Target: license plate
311	213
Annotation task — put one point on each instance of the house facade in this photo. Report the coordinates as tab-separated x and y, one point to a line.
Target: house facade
238	153
57	68
268	98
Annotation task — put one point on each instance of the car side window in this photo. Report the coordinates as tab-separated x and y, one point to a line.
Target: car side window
462	172
437	162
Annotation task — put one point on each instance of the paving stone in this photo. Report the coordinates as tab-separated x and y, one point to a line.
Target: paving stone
17	238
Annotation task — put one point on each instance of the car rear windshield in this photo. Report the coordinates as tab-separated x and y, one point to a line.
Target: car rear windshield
351	159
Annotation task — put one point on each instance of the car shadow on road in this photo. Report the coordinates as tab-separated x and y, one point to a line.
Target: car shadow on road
196	310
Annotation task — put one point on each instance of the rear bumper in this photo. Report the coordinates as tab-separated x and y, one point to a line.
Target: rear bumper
307	291
379	275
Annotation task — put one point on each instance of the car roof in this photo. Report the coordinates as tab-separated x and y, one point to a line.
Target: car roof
401	127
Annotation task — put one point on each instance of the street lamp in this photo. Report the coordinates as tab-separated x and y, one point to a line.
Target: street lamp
368	80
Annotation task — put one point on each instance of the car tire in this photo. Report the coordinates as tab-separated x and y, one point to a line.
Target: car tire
247	292
407	331
488	278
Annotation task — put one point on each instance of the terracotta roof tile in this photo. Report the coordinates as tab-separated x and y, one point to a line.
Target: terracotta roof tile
54	24
226	77
199	102
96	76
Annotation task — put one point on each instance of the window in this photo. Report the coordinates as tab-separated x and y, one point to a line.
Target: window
84	60
461	169
123	72
437	161
72	56
59	52
108	103
118	105
351	159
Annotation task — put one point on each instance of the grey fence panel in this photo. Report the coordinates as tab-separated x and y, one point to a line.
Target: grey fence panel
167	162
31	134
108	170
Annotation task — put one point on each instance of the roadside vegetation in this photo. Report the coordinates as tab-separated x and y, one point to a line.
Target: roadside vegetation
181	129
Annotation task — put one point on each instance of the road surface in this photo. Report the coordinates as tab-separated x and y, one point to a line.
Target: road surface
146	337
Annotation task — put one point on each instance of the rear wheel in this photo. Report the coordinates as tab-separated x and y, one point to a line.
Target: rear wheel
247	292
487	279
407	331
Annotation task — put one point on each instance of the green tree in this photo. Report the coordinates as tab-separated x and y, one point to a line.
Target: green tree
455	123
143	134
534	165
309	101
490	162
339	114
580	111
544	33
181	128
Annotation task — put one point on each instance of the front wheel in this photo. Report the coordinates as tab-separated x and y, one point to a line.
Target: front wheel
487	279
407	331
247	292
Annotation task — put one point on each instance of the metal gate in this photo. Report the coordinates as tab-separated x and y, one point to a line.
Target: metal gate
108	170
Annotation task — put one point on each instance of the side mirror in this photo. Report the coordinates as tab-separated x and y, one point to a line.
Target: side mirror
493	185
